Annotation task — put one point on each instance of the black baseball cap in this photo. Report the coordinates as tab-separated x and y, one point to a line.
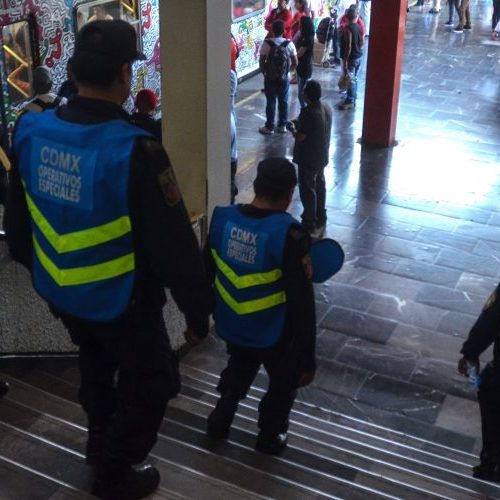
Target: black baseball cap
276	177
116	40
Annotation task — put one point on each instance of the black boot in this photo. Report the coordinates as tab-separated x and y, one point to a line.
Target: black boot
126	484
272	444
4	388
220	420
487	472
95	443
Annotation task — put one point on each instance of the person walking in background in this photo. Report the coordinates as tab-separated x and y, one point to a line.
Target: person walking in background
305	52
258	259
235	53
95	213
281	13
312	131
351	51
495	20
43	98
145	108
68	89
464	17
453	5
278	56
301	10
365	10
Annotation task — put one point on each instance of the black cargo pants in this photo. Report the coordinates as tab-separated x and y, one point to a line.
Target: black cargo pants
241	370
128	374
489	403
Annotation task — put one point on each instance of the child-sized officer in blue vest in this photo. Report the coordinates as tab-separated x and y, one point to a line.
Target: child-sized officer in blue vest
258	260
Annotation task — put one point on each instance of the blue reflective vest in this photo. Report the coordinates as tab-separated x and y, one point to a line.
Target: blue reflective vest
76	184
248	254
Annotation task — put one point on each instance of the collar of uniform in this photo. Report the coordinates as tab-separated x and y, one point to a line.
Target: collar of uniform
86	110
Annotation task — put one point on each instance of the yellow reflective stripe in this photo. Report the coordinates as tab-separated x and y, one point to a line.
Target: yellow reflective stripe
250	306
78	240
248	280
84	275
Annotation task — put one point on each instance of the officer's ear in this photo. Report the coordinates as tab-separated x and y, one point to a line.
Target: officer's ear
125	75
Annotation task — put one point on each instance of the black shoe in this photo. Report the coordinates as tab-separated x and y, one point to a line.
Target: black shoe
4	388
467	27
131	484
487	472
449	23
220	420
459	29
271	444
95	442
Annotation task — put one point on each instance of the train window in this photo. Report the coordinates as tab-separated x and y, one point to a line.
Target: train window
106	10
16	47
243	8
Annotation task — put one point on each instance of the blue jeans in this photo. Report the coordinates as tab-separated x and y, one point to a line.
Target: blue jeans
301	84
276	92
353	67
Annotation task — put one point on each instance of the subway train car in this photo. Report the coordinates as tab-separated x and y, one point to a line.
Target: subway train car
34	32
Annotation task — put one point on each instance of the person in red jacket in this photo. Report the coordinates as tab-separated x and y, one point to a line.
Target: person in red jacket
301	8
283	13
344	20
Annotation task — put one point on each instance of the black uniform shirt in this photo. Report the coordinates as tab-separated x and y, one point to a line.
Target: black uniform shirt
167	252
299	334
485	331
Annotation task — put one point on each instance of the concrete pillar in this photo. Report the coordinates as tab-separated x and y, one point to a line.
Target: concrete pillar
195	61
383	74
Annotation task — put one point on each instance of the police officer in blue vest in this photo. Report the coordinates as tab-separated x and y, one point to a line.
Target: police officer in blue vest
258	260
95	213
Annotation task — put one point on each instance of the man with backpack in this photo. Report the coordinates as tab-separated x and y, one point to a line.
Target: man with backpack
43	97
278	56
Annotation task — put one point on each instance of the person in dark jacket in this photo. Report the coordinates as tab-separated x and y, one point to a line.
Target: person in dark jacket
484	333
305	48
258	259
105	278
145	105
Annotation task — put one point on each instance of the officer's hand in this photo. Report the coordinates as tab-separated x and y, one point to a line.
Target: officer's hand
462	366
191	338
306	378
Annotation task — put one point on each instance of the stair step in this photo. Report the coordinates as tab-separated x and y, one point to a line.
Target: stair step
252	483
325	418
396	469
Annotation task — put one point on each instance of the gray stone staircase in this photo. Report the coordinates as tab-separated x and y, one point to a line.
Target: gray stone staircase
330	454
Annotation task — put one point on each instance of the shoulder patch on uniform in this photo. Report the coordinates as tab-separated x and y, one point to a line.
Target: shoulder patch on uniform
491	300
169	187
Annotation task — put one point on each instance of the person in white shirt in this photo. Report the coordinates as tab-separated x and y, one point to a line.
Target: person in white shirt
43	98
278	56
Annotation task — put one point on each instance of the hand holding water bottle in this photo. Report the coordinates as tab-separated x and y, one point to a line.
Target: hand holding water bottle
470	368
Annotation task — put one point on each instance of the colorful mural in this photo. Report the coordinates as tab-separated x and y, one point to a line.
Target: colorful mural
54	40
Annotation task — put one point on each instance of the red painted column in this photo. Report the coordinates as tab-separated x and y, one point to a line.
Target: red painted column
383	74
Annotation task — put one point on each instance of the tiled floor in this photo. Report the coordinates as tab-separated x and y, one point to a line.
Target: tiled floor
420	223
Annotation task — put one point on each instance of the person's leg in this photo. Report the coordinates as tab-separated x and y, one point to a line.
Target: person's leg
271	96
489	404
321	215
307	191
235	380
451	7
467	14
275	406
352	91
301	84
283	92
496	14
436	6
461	15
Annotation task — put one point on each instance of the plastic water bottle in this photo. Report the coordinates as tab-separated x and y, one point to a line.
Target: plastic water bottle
473	376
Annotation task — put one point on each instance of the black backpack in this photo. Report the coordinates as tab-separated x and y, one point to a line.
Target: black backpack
278	62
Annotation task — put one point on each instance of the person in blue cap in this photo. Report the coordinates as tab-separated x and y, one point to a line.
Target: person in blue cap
258	261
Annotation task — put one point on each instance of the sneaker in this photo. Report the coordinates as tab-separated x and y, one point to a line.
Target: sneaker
220	420
271	444
458	29
346	105
434	11
266	131
449	23
281	130
487	472
130	484
467	27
